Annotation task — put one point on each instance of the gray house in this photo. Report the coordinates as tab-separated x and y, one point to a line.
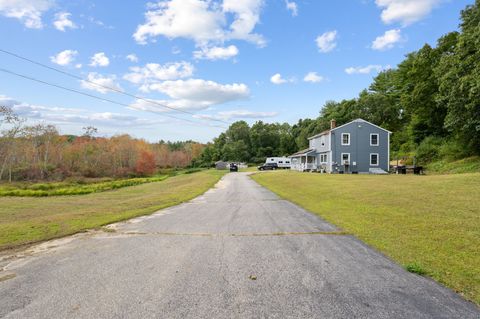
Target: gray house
356	147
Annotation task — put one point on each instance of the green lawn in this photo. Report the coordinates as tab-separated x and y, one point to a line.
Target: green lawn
429	224
24	220
75	188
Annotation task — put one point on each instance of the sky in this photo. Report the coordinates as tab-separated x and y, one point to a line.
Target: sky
186	69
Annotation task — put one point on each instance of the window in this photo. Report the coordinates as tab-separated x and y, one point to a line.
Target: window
346	158
287	162
323	158
345	138
373	159
373	139
280	162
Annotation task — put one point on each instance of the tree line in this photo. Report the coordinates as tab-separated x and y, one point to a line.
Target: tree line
39	152
430	101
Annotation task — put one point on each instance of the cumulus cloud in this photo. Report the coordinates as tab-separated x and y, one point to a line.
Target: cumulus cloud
327	42
193	94
64	58
313	77
405	12
99	59
61	115
292	7
201	21
29	12
132	58
216	53
278	79
62	21
366	69
154	72
387	40
104	82
236	114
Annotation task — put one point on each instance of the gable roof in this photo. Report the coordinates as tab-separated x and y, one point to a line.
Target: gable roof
319	134
361	121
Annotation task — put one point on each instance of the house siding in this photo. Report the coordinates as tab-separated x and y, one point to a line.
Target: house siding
359	148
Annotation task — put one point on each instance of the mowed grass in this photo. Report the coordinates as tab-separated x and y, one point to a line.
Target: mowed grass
25	220
430	223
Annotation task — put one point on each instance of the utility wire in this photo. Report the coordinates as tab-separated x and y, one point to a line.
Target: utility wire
105	86
94	96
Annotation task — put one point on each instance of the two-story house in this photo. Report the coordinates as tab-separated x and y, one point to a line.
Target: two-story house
356	147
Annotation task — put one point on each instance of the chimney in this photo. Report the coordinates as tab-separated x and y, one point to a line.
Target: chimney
333	124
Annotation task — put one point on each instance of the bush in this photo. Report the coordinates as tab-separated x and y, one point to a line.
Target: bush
429	150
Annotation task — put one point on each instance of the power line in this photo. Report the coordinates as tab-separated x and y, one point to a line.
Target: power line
105	86
94	96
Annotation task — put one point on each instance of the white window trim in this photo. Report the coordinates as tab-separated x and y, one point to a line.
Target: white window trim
378	159
378	139
326	158
342	160
348	139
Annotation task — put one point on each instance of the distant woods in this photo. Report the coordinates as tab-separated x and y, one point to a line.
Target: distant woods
39	152
430	101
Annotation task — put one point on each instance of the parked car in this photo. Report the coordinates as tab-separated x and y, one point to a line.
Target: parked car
268	166
233	167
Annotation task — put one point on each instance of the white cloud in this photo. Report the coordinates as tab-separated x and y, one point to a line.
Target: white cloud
405	11
292	6
366	69
99	59
154	72
201	21
277	79
388	40
236	114
104	82
64	58
29	12
313	77
132	58
193	94
61	115
327	41
62	21
216	53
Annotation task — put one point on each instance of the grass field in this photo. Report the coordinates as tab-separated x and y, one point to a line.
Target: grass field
24	220
71	188
429	224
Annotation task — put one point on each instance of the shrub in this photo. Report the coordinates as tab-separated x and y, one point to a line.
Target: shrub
429	150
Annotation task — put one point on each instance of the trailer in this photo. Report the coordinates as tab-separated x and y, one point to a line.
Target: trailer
282	162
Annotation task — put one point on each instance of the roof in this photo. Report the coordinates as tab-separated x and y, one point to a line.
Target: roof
319	134
361	121
357	120
303	152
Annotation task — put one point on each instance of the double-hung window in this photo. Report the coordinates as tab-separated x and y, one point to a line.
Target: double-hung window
323	158
345	158
373	139
345	138
374	159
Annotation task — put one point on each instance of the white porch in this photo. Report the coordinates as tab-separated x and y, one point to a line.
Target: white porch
304	161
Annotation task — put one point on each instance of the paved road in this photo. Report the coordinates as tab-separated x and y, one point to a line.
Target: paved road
200	259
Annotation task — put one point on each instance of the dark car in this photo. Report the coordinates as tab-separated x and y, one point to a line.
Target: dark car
268	166
233	167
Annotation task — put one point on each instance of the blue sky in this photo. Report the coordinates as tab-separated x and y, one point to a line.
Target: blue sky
271	60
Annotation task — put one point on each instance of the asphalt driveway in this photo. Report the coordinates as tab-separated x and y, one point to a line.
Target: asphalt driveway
236	252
